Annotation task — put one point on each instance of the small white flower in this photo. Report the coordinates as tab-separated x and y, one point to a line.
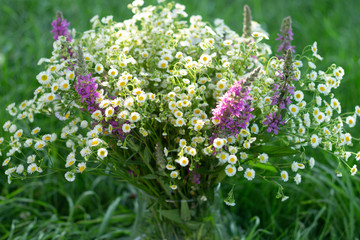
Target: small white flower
99	68
126	128
353	170
20	169
297	178
298	96
294	166
109	112
311	162
70	176
284	176
81	167
32	168
315	141
294	109
183	161
351	121
134	117
230	170
174	174
113	72
219	143
232	159
263	157
102	153
249	174
162	64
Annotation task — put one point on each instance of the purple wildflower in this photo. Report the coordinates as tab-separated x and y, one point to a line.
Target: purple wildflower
233	111
273	121
60	28
285	37
86	87
282	91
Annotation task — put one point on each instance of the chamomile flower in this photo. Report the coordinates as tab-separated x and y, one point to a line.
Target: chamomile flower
311	162
134	117
109	112
218	143
357	156
43	78
230	170
294	109
64	85
31	159
254	128
205	59
6	161
263	157
173	187
18	133
81	167
249	174
102	153
284	176
232	159
351	121
113	72
183	161
315	141
298	96
99	68
32	168
69	162
297	178
174	174
70	176
39	145
162	64
170	167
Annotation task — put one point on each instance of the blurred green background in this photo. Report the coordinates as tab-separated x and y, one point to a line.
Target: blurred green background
322	207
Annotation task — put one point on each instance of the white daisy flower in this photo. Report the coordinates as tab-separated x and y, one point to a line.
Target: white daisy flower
351	121
298	96
263	157
311	162
284	176
232	159
174	174
70	176
219	143
99	68
230	170
102	153
297	178
183	161
249	174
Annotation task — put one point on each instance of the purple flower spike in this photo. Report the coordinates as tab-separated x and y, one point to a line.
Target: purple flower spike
285	37
86	87
60	28
233	111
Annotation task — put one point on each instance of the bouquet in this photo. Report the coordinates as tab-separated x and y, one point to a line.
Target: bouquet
176	108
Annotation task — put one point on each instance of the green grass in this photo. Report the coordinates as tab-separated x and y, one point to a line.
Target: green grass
322	207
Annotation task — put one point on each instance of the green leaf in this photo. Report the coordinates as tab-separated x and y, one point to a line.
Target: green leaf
150	176
276	151
262	166
147	155
185	212
172	215
108	214
221	175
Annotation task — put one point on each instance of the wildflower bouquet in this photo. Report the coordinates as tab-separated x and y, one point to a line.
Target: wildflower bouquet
175	108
